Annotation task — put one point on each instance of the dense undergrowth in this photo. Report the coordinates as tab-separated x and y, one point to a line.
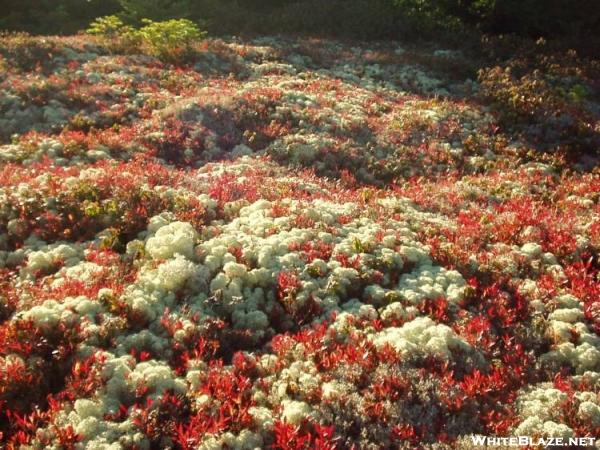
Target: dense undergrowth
455	20
297	243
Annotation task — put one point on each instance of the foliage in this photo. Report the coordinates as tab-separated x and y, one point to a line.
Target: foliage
362	19
25	52
546	97
116	35
109	26
402	18
526	17
535	17
170	40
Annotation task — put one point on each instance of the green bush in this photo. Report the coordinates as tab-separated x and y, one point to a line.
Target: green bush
109	26
170	40
120	38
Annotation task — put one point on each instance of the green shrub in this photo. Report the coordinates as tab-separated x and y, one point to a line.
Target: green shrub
109	26
120	38
170	40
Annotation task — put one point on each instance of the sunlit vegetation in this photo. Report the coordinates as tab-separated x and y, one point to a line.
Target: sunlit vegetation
296	242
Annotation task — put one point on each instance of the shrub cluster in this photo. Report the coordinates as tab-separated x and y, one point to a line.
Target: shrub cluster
170	40
548	98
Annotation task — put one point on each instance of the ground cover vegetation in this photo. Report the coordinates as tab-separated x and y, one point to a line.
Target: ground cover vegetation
297	242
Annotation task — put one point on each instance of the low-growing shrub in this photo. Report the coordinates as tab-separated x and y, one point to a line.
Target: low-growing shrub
170	40
109	26
119	37
546	98
24	52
